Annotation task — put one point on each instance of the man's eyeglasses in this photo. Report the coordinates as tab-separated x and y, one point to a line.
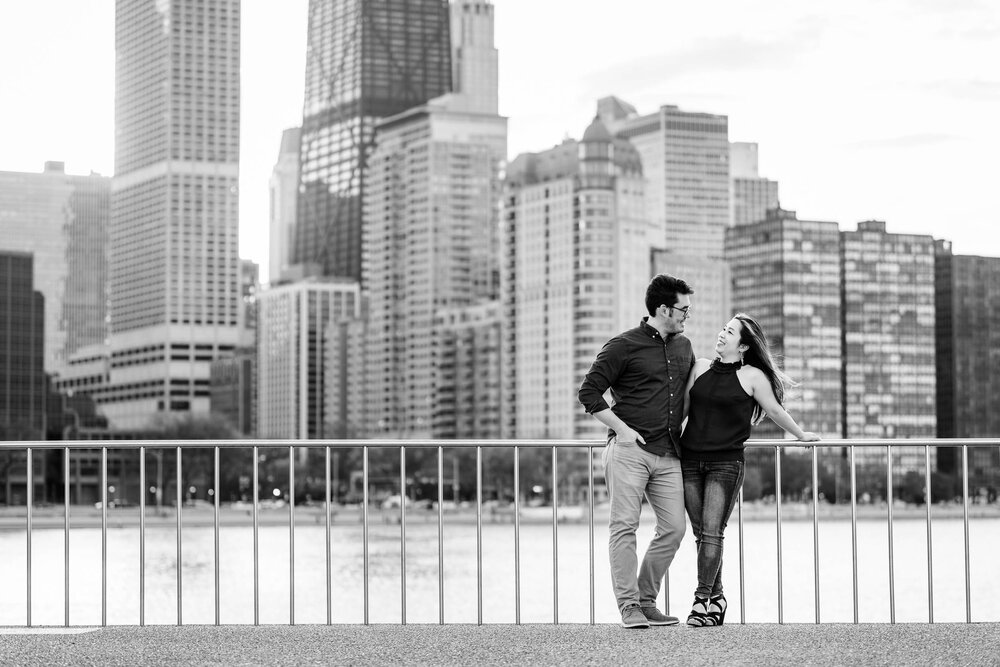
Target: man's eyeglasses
684	310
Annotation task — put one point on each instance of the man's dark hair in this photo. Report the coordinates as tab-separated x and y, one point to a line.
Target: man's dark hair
663	290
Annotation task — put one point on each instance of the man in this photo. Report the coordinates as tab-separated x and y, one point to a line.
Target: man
646	369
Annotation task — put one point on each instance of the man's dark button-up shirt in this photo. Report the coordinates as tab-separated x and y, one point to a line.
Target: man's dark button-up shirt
647	376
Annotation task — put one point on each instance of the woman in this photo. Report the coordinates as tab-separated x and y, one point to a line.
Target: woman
724	398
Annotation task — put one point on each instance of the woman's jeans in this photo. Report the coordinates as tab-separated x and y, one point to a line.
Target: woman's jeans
710	492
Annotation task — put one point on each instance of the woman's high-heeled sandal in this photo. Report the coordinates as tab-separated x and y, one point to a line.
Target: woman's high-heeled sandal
698	618
717	610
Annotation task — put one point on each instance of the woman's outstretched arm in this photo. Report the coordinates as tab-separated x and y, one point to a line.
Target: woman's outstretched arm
764	395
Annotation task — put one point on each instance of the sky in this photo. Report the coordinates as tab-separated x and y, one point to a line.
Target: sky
862	109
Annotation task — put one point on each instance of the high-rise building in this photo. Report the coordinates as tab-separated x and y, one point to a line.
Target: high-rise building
63	221
711	281
294	323
345	376
431	233
967	309
366	60
685	159
468	393
174	269
685	156
234	390
575	266
284	191
752	196
888	323
474	59
786	275
22	329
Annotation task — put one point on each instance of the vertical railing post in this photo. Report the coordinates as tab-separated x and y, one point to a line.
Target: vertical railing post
479	535
291	535
440	466
180	567
777	510
142	536
815	499
892	570
329	564
854	532
590	495
66	474
555	536
104	536
965	523
30	499
402	534
517	535
215	497
364	524
743	606
930	540
256	536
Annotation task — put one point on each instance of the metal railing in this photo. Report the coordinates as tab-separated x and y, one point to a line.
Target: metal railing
517	446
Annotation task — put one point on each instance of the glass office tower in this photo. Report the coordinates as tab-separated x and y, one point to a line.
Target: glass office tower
366	60
62	220
967	322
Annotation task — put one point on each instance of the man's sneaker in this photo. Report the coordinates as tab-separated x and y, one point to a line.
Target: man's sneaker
656	617
632	617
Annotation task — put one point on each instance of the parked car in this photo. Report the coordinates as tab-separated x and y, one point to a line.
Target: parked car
393	501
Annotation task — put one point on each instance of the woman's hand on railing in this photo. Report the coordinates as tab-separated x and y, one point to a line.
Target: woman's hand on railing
808	436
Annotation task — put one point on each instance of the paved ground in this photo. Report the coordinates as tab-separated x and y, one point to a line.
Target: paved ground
831	644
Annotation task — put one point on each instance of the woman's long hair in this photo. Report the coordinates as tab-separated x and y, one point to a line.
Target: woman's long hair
759	356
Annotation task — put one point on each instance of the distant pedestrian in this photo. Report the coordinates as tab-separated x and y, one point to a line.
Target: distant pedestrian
646	369
723	399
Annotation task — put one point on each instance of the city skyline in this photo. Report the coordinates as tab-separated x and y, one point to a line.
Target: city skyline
866	112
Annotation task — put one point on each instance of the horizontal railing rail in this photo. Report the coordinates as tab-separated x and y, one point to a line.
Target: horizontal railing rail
366	446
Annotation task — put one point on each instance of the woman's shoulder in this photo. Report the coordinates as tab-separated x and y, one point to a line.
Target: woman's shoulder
751	373
701	365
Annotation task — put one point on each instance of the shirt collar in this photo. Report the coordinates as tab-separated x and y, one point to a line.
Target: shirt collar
648	328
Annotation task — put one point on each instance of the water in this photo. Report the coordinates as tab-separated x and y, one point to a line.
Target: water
498	600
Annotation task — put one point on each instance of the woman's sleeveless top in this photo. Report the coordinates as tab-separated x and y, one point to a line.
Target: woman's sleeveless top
718	416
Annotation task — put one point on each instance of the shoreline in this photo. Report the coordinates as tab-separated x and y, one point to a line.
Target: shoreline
53	517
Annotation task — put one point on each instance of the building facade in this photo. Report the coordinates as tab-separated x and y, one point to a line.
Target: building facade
22	351
711	281
889	326
174	269
365	60
575	265
786	275
468	392
62	220
234	390
431	236
685	156
752	196
967	310
284	197
294	323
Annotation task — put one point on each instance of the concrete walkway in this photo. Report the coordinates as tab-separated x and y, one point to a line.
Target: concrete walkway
832	644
